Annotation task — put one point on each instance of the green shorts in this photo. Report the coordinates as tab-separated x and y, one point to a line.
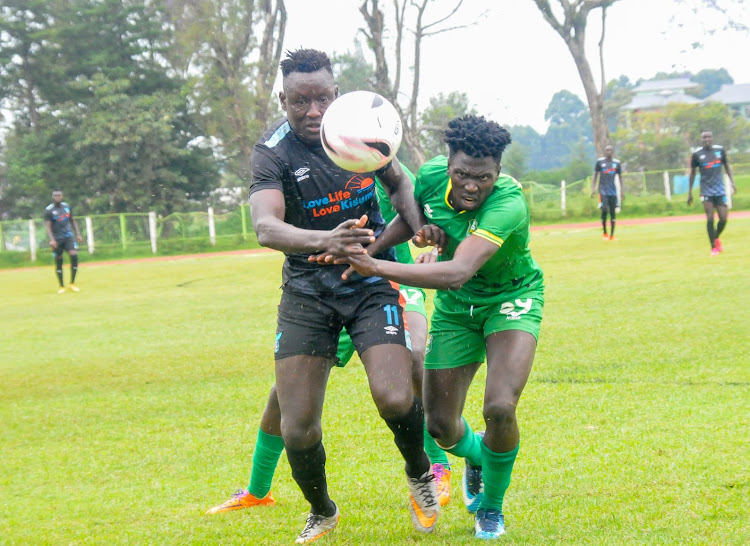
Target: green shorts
413	301
458	330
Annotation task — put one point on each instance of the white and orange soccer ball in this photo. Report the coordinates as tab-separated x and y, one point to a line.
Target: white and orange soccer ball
361	131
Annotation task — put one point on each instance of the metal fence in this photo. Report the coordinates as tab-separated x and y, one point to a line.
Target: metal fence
127	230
202	230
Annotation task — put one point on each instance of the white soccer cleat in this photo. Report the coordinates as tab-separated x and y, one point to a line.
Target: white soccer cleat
423	502
318	526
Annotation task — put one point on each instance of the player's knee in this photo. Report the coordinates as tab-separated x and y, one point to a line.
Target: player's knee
393	404
499	413
442	429
301	435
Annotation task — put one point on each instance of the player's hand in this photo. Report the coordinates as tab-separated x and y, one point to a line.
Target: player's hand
53	244
363	264
690	199
429	235
79	239
349	237
427	257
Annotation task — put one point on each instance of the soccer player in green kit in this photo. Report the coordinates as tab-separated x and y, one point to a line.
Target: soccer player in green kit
489	300
269	444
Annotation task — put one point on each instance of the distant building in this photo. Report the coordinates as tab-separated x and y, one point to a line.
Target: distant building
736	96
653	95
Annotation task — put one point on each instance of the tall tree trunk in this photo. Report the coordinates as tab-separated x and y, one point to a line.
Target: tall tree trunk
572	29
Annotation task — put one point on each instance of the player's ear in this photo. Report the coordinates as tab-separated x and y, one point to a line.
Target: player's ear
282	100
335	91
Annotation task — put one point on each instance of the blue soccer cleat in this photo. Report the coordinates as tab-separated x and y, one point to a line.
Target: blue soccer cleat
489	524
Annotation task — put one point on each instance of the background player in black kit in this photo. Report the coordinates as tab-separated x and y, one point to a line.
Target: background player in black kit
60	224
606	171
303	204
710	158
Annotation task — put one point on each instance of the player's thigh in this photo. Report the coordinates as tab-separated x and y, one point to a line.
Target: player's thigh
306	325
708	206
388	368
510	355
722	210
444	398
300	387
373	316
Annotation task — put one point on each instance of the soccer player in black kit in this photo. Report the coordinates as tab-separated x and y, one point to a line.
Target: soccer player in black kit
303	204
606	170
710	158
60	224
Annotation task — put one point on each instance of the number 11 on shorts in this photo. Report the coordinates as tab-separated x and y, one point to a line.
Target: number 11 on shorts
391	313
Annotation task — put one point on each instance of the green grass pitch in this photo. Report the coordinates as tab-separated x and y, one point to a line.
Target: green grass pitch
130	408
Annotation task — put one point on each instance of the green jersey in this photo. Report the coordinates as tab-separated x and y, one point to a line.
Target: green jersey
503	219
403	252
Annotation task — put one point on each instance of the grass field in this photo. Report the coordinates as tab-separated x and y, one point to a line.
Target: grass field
130	408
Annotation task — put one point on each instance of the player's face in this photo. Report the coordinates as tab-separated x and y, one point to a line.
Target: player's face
472	179
305	98
609	152
707	137
57	197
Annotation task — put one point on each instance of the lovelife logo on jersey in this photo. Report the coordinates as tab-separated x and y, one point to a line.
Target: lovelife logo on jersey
358	189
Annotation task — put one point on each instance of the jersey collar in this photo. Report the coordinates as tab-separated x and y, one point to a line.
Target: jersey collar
447	193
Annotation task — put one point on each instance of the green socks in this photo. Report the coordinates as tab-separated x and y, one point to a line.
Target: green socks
496	469
468	447
265	458
434	451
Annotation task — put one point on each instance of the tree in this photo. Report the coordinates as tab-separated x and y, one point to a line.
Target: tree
352	71
235	47
389	83
711	80
435	118
514	161
113	126
571	26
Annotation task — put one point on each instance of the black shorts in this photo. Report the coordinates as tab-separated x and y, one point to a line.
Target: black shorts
67	244
609	203
310	325
716	200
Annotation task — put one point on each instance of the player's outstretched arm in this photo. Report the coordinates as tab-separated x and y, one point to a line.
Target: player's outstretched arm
471	254
267	209
401	191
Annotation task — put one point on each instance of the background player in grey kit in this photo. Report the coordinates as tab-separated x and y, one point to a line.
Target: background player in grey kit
709	159
60	225
606	171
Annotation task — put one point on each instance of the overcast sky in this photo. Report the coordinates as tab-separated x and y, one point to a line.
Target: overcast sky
512	62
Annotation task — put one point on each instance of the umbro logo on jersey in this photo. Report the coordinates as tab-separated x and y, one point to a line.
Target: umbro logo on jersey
428	211
390	330
301	173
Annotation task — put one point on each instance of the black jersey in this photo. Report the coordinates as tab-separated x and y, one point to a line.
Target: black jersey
60	216
318	195
710	163
607	170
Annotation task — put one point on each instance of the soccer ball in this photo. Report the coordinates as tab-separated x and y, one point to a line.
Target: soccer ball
361	131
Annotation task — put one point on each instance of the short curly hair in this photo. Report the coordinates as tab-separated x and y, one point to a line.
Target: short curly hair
476	137
305	60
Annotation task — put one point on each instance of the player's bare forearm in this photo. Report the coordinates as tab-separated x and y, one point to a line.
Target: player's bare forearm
439	275
48	228
396	232
401	191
